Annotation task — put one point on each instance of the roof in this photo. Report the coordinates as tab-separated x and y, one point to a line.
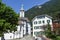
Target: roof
55	26
20	22
23	19
56	21
42	16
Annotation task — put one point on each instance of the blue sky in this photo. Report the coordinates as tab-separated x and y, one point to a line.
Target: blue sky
16	4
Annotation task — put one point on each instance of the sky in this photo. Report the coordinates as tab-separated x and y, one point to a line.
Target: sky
16	4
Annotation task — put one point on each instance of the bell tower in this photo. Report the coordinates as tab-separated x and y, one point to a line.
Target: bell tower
22	11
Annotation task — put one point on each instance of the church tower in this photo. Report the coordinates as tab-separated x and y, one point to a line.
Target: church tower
22	11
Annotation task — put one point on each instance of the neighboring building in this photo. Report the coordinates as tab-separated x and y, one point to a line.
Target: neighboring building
56	27
23	28
39	24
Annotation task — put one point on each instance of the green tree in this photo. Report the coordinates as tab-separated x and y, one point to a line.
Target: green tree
8	19
0	0
49	33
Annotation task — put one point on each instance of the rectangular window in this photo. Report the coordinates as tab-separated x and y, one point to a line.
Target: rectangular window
35	22
39	22
39	33
37	27
35	33
43	21
48	21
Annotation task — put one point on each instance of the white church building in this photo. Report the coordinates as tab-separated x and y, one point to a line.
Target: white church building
23	28
38	24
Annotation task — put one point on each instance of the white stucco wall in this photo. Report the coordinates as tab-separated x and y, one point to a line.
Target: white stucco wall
24	27
38	19
18	28
0	38
8	35
21	32
22	14
29	28
45	19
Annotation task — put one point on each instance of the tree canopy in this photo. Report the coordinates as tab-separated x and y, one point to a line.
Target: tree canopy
0	0
51	34
8	18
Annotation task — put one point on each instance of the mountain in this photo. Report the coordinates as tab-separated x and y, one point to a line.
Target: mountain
51	8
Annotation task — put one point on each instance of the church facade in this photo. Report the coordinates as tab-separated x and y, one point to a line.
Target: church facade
23	24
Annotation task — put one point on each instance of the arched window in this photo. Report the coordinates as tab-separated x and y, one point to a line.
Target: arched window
39	22
48	21
35	22
43	21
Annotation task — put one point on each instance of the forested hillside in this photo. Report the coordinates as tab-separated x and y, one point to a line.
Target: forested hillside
51	8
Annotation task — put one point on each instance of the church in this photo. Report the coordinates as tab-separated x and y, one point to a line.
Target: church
23	28
24	24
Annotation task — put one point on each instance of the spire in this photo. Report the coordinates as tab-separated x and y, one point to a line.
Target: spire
22	7
22	11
